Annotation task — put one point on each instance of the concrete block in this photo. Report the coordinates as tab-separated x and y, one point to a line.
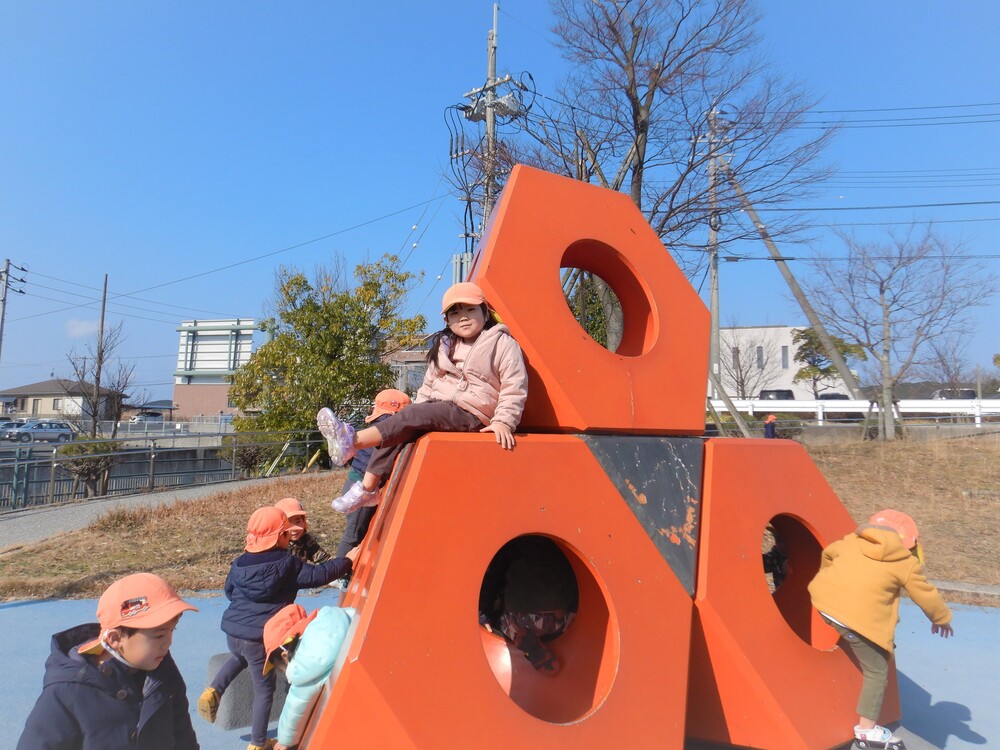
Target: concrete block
237	701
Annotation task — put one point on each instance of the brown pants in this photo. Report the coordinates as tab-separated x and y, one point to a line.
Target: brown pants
415	420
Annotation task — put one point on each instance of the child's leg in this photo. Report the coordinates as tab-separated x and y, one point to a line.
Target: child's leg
405	427
263	693
232	667
392	434
874	663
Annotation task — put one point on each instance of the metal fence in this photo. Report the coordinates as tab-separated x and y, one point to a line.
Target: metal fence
973	411
41	474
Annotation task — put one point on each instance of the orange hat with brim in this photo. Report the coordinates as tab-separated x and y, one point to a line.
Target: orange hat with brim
141	600
465	292
388	401
264	528
284	627
291	507
901	523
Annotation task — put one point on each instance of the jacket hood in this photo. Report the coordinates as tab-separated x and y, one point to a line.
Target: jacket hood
64	664
321	643
881	543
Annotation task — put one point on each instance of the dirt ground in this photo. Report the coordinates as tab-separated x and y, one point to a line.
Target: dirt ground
951	487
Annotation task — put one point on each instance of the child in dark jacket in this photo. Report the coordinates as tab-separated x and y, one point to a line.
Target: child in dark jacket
260	582
301	543
113	685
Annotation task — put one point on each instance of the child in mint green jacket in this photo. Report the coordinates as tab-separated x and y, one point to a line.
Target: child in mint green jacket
307	660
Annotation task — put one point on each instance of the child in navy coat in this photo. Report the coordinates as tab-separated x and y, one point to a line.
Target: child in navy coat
112	685
260	582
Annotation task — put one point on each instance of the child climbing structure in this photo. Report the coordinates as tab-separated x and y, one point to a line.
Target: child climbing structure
676	633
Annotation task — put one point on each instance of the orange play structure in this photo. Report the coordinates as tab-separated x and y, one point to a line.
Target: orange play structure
677	636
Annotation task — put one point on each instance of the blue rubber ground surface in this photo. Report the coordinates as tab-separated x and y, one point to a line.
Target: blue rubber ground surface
949	688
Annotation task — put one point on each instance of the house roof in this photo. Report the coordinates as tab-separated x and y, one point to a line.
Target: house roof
56	387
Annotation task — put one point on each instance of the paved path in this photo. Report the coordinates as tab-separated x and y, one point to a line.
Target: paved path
31	525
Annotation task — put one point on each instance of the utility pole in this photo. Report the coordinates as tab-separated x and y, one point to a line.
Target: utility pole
99	364
485	106
713	256
3	298
3	294
831	350
490	162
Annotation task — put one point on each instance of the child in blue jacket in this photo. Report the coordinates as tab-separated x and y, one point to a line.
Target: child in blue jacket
306	648
260	582
112	685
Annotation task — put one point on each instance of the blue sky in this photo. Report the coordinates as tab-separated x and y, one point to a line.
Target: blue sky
160	143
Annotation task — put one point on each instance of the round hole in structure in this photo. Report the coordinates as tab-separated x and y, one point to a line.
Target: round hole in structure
548	632
608	298
790	558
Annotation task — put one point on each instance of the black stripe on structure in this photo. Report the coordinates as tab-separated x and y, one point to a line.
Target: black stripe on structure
660	479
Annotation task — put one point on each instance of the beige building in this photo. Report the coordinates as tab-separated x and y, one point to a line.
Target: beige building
208	355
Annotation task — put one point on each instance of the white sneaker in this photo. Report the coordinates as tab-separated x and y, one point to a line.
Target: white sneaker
339	436
355	497
877	738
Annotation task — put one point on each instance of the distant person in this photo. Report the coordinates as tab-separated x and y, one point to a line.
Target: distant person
857	592
475	382
387	403
301	543
260	582
112	685
305	647
770	426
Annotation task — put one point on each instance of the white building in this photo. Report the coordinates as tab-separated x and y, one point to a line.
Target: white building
758	358
208	355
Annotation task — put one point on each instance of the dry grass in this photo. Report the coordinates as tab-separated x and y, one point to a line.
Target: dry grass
190	544
951	487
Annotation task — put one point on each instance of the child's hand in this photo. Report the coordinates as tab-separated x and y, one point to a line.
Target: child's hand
352	555
945	631
505	436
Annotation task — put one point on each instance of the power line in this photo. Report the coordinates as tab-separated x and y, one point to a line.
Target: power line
291	247
903	109
880	208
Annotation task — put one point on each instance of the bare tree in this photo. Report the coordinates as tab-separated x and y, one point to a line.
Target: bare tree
895	299
750	361
657	90
947	362
102	391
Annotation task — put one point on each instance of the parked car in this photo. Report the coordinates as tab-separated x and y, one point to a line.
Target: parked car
946	393
146	416
40	431
777	394
834	397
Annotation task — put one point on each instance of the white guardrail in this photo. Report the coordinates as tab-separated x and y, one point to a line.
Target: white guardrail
974	407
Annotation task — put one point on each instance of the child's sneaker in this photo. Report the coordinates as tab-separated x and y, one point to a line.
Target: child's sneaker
355	497
208	704
339	436
877	738
269	744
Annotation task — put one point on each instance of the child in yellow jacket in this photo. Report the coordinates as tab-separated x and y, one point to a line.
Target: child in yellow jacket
857	592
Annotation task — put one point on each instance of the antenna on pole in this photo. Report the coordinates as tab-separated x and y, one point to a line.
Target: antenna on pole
486	105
